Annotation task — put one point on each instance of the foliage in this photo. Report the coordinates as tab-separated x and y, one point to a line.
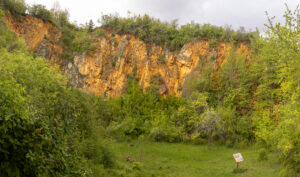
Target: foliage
41	12
277	106
162	59
16	7
99	33
91	26
170	35
98	152
8	39
210	123
212	43
34	132
61	18
43	120
263	154
229	90
76	41
138	114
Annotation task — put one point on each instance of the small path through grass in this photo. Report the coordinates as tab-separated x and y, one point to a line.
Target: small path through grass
187	160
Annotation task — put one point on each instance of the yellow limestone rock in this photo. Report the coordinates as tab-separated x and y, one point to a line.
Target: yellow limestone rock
104	71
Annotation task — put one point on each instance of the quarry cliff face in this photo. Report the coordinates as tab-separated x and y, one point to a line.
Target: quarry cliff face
41	37
104	71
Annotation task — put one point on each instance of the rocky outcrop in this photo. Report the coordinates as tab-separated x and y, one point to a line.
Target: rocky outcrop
40	36
105	70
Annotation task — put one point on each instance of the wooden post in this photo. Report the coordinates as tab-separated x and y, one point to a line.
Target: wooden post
237	165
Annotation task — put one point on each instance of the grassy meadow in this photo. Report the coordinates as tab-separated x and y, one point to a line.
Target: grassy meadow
187	160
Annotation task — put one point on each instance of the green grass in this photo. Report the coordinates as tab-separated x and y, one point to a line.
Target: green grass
186	160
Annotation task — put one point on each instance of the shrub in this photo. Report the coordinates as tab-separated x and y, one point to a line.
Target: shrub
263	154
113	63
156	79
16	7
212	43
198	140
237	129
277	114
90	26
41	12
164	129
62	19
213	57
98	152
76	41
169	35
13	110
38	117
8	39
99	32
162	59
34	135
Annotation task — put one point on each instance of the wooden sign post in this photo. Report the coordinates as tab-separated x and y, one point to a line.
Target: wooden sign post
238	158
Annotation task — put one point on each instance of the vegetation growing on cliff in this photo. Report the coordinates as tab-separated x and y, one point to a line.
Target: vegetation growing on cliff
170	35
16	7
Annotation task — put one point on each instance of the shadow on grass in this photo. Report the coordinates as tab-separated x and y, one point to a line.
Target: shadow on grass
239	170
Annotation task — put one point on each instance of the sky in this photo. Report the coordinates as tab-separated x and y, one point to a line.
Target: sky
236	13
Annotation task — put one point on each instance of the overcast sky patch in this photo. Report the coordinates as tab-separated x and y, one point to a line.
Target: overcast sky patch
247	13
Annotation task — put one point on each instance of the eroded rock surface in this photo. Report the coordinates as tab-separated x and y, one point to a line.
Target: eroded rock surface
104	71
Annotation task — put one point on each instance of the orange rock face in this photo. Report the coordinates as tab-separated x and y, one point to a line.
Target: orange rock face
105	70
40	36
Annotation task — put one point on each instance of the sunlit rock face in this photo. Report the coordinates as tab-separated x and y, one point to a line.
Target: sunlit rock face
104	71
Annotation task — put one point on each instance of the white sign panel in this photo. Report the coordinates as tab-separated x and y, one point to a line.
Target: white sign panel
238	157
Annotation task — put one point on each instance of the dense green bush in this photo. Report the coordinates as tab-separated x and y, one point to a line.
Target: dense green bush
61	18
97	151
137	114
277	104
16	7
76	41
41	12
170	35
43	120
8	39
90	26
263	154
99	32
37	119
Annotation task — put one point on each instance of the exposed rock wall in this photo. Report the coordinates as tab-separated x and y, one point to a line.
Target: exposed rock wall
104	71
40	36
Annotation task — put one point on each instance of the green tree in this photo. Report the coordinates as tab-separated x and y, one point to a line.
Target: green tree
91	26
16	7
41	12
277	107
39	116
